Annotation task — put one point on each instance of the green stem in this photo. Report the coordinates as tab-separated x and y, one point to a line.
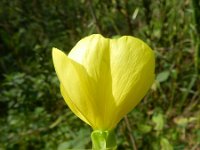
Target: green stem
103	140
196	36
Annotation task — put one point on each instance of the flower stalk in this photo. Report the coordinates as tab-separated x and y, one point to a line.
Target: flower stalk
103	140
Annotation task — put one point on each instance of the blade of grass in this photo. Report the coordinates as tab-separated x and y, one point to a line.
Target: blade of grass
196	36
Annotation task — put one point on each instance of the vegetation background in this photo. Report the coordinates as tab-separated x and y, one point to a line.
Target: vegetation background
33	115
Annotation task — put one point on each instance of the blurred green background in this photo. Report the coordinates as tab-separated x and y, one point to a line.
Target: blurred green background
33	115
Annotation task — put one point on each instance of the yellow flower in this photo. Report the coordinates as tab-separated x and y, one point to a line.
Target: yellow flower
103	79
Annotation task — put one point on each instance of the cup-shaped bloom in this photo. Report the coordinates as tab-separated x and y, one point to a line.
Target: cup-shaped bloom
103	79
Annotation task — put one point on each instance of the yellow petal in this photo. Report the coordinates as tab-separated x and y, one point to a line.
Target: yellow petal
93	52
71	104
75	86
132	69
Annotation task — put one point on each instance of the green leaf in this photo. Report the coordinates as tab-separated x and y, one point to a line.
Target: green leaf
64	146
165	145
158	119
144	128
163	76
